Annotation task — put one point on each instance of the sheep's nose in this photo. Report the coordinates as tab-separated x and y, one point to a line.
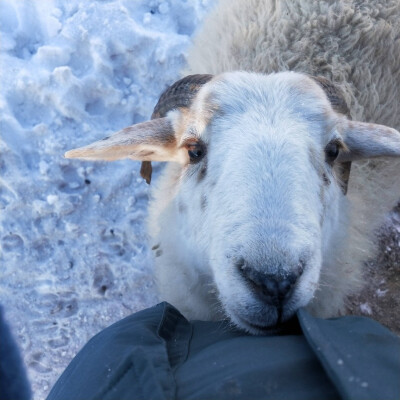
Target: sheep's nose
271	288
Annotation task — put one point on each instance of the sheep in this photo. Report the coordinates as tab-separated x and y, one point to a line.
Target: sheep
273	184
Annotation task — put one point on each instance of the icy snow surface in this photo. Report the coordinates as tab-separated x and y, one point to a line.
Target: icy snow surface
73	253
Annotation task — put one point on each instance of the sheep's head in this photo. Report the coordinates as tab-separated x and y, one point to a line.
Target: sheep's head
265	160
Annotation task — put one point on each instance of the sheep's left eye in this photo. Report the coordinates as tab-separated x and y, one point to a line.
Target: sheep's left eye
331	152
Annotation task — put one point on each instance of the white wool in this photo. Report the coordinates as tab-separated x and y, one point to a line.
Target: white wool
339	40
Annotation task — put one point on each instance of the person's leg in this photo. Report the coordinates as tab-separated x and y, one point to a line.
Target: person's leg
158	354
14	384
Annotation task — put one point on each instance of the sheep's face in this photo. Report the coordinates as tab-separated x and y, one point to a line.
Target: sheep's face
256	191
255	204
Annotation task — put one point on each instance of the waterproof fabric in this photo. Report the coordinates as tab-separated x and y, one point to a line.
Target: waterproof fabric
158	354
14	384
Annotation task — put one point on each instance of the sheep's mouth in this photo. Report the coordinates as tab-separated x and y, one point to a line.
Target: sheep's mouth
268	319
255	323
281	325
255	327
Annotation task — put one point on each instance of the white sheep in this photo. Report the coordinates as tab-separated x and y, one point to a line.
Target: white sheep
250	219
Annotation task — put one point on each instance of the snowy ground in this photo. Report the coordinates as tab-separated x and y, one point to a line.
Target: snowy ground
73	252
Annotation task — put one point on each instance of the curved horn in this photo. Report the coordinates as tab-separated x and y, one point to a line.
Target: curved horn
180	94
334	94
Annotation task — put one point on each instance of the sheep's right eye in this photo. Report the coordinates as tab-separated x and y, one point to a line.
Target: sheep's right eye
196	152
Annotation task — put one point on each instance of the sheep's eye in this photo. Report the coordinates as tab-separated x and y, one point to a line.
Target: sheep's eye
196	152
332	151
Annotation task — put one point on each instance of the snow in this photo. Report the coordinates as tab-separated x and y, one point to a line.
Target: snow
365	308
73	250
380	292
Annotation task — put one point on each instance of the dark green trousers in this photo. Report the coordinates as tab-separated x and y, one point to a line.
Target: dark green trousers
158	354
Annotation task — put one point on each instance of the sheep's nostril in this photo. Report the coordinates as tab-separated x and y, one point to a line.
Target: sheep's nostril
240	263
300	267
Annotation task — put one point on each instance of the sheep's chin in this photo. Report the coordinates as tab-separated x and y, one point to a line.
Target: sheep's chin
270	323
253	327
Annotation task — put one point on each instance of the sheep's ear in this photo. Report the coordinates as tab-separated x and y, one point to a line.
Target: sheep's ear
148	141
365	140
